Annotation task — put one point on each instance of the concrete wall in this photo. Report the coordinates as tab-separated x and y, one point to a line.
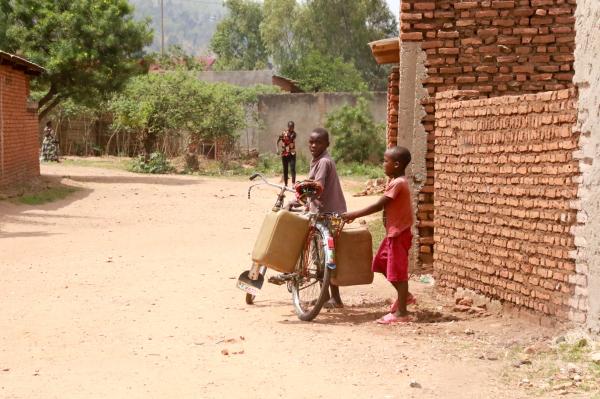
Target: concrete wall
19	150
238	78
307	111
587	79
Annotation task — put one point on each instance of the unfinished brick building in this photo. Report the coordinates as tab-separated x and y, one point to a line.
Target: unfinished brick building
19	141
485	95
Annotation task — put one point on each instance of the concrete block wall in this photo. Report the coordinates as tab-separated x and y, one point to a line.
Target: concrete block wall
19	143
506	187
497	47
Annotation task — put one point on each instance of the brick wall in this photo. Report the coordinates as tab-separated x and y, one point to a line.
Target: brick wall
19	143
393	99
506	183
497	47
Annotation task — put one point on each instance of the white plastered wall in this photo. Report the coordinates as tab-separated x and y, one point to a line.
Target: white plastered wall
587	80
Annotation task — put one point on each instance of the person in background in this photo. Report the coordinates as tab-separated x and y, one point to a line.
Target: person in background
50	151
288	152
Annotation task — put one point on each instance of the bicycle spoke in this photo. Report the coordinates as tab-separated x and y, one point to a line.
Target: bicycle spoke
310	285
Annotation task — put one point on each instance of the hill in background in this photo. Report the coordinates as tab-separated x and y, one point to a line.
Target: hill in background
189	24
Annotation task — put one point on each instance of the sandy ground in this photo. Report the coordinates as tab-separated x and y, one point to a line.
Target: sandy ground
126	289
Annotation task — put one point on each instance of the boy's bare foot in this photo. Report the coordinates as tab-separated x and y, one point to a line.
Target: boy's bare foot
333	303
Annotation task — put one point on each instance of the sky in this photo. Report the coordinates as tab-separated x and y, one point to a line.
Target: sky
394	5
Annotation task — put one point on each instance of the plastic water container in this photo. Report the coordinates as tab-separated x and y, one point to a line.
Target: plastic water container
353	255
280	240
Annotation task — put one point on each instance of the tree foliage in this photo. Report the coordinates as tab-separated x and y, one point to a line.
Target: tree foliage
175	102
317	72
330	31
89	47
237	41
343	29
357	138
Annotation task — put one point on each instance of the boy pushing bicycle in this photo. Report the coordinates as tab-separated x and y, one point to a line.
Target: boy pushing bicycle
331	199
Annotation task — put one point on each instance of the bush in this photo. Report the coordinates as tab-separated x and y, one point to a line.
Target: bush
157	164
357	138
356	169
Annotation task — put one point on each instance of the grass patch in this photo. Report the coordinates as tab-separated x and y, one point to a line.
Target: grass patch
357	169
45	196
115	163
552	369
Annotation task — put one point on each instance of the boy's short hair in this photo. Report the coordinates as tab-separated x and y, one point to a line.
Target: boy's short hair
399	154
291	123
322	132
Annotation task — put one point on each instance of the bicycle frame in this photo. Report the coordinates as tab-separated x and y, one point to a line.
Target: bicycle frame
327	224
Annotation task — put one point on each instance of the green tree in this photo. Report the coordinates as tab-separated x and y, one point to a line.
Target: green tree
317	72
343	28
175	58
237	41
281	32
89	47
176	102
357	138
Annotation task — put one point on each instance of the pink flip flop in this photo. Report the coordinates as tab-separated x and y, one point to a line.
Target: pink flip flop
391	318
411	300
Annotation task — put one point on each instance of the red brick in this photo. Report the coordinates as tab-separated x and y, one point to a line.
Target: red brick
523	68
448	51
487	32
412	36
464	5
544	39
525	31
541	20
447	34
424	6
503	4
560	11
407	16
539	3
486	14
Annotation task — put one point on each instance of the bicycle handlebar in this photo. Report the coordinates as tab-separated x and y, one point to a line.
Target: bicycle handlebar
265	181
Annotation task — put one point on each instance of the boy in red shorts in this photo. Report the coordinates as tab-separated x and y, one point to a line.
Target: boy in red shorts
392	257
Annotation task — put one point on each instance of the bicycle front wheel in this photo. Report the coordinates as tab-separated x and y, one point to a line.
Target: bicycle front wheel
310	287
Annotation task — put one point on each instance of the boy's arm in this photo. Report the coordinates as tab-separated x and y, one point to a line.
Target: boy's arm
376	207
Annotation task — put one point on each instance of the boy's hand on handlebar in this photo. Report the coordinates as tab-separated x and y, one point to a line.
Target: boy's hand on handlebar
292	204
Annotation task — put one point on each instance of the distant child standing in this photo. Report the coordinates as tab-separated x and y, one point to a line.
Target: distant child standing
287	139
392	257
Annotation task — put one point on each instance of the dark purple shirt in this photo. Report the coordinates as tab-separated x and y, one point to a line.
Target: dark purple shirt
322	169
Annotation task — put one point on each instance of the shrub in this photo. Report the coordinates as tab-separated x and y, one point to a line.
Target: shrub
357	138
156	164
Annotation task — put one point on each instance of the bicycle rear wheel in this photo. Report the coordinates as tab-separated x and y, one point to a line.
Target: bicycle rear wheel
310	287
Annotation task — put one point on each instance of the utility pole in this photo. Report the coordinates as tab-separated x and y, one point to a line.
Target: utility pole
162	29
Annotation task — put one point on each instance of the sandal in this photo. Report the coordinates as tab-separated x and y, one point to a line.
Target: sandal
391	318
410	300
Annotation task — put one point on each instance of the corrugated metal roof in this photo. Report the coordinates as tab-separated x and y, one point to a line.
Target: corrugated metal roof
20	63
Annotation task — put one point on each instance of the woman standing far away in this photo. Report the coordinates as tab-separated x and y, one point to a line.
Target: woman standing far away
288	152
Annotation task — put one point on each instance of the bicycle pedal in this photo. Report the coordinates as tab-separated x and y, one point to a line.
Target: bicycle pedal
277	280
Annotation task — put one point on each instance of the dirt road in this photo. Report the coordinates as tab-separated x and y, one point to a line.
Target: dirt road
126	289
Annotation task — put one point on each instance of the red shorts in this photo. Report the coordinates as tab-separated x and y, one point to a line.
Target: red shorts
392	257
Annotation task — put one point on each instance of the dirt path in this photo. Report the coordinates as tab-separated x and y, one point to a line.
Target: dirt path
127	290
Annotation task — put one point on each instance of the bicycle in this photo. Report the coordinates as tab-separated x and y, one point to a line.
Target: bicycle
309	282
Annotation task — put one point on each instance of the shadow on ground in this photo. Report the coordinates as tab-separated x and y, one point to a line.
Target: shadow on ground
142	179
16	213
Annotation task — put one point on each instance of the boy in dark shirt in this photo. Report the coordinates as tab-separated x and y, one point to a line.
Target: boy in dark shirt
331	200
